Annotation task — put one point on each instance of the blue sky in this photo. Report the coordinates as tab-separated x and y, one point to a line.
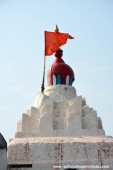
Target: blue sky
90	54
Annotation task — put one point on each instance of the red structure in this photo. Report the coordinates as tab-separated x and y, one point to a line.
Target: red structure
59	71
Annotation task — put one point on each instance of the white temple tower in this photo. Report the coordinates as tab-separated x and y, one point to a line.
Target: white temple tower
60	131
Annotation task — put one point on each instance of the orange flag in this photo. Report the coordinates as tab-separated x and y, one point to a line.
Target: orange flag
53	40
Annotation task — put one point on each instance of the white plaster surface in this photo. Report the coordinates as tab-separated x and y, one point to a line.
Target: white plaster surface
45	153
60	93
60	129
59	112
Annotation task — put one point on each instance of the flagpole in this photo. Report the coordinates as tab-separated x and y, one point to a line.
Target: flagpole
43	81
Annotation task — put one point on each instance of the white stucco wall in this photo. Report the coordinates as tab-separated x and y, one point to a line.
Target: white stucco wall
45	153
60	129
59	112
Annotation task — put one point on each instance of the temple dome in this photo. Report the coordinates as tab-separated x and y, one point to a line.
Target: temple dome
59	72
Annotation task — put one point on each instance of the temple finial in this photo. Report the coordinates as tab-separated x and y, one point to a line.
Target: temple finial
56	29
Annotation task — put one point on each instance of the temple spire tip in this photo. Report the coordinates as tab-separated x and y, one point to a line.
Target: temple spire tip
56	29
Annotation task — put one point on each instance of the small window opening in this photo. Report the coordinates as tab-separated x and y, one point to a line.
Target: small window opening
19	166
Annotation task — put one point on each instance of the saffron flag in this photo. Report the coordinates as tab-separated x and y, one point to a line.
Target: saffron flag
53	40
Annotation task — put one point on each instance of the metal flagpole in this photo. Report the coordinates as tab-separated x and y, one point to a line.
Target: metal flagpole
43	81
